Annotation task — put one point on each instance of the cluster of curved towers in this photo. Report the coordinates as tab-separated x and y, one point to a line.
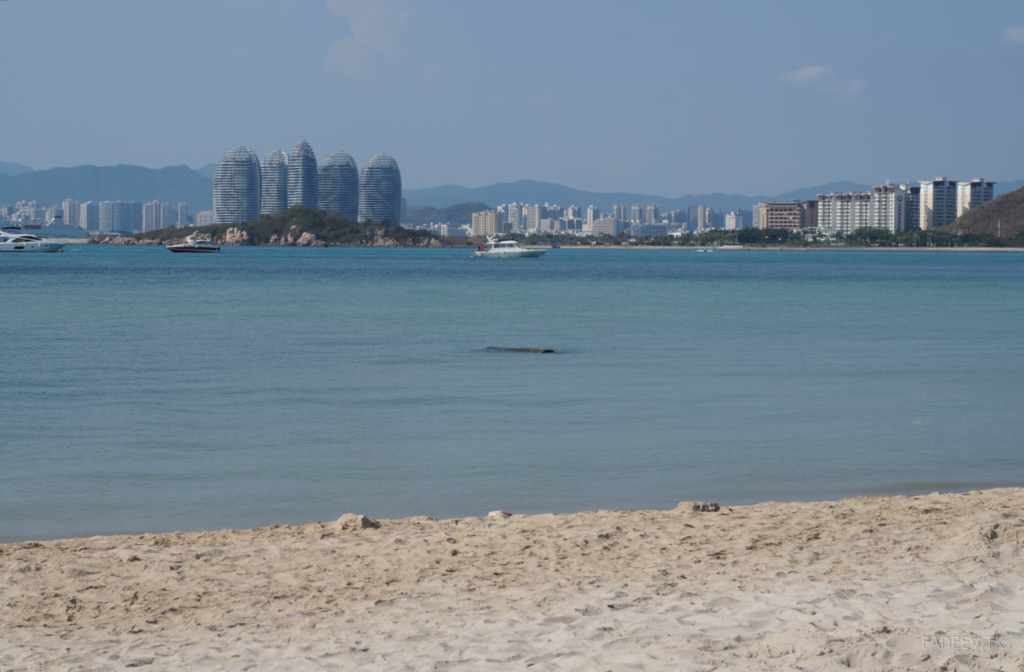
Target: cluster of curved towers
243	189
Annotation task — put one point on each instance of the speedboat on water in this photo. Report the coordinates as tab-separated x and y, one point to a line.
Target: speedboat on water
506	249
13	239
194	244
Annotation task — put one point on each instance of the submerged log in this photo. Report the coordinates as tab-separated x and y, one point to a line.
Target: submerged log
492	348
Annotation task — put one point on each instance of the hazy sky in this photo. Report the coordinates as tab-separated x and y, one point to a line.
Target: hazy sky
653	97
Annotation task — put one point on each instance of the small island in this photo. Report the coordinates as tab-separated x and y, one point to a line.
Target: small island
297	226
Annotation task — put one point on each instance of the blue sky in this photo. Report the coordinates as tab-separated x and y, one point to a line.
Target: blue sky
651	97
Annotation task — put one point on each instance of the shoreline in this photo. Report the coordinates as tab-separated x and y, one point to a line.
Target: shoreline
914	582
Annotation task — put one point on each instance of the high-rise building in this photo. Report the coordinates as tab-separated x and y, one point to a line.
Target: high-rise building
592	214
339	186
274	183
696	218
485	223
888	208
913	198
714	219
637	213
205	218
738	220
156	215
89	216
182	218
72	210
514	217
971	194
938	203
607	225
236	187
150	214
113	216
619	212
405	212
574	212
842	214
532	214
792	215
652	214
303	177
380	190
135	216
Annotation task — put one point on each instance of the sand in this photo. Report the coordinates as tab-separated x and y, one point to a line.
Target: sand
932	582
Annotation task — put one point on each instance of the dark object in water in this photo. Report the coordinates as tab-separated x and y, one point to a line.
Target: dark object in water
518	350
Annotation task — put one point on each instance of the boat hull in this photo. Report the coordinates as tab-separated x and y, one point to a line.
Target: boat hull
517	254
192	250
44	246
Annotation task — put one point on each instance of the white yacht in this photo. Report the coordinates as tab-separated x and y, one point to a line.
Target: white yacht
194	244
506	249
13	239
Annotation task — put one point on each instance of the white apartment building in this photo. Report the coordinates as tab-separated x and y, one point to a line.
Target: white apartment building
652	214
514	217
737	220
72	210
842	214
938	203
89	216
532	214
885	207
182	215
889	208
607	225
592	214
973	193
205	218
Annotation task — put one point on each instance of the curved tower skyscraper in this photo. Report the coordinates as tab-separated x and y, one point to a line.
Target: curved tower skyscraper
274	172
339	185
302	176
380	191
236	187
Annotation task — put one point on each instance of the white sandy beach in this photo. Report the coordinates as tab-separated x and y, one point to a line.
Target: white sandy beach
890	583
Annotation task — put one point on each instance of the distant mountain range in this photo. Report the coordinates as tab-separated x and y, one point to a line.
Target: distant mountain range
180	183
13	168
530	191
109	183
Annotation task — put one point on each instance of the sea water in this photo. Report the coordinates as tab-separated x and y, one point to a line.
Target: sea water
142	391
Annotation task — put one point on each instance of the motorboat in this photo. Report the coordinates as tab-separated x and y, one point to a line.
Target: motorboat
14	239
506	249
195	244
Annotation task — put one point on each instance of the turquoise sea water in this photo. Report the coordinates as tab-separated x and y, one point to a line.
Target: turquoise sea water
143	391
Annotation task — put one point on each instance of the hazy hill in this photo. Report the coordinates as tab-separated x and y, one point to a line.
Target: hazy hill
530	191
1007	209
110	183
13	168
456	214
208	170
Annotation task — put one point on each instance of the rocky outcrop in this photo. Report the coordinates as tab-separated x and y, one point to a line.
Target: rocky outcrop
380	240
235	236
293	238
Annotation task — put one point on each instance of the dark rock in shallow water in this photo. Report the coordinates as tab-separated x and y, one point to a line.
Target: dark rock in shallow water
492	348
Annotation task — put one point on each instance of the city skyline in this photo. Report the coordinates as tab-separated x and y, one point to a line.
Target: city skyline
755	120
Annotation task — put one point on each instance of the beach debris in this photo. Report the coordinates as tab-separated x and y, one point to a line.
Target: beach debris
537	350
499	514
356	521
699	507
